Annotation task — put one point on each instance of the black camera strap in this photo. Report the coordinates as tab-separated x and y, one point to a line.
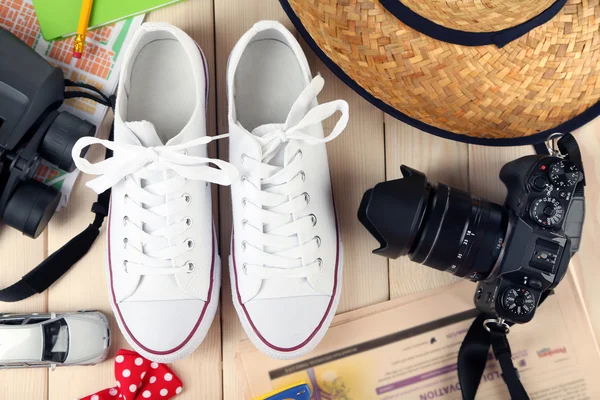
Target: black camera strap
473	357
474	351
59	262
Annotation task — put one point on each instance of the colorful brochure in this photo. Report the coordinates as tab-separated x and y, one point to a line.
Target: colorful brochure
406	349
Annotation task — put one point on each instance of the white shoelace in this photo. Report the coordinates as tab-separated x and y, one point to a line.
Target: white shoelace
281	194
153	252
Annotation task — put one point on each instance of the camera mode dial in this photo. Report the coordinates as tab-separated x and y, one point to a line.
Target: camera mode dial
547	211
564	174
518	300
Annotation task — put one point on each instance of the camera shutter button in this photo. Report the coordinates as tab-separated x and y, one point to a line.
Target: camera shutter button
540	183
520	301
549	211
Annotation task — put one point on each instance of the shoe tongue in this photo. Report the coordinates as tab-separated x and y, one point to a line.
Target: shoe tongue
145	132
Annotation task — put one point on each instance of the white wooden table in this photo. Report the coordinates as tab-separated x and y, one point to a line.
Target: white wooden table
370	150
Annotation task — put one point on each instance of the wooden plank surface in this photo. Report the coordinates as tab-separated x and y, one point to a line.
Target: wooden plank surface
356	163
85	285
371	149
440	160
357	153
587	258
232	19
20	254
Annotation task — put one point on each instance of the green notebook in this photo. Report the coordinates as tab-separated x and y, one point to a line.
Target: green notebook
59	18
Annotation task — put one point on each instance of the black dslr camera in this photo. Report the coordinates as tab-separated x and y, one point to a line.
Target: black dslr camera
31	129
517	253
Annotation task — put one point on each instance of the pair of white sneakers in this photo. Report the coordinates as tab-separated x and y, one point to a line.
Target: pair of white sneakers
163	266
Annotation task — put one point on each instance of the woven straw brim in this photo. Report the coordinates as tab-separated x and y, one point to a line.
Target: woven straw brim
478	15
535	83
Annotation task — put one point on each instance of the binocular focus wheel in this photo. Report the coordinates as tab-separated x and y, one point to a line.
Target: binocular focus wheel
60	138
30	207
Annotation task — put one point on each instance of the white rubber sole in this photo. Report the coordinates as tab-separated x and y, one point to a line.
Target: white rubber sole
201	331
309	346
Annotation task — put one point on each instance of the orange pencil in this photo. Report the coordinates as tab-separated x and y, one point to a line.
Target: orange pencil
84	20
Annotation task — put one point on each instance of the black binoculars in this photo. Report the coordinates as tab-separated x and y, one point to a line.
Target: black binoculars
31	129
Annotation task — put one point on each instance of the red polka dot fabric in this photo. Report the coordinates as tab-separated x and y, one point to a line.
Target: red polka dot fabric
140	379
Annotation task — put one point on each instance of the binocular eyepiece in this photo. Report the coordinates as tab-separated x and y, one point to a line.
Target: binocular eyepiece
31	130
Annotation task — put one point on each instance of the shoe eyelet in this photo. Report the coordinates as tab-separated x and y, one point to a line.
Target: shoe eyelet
189	243
313	218
184	152
187	198
125	220
318	239
244	202
125	241
302	175
306	197
188	221
244	245
125	198
190	266
125	262
244	179
299	153
244	223
320	262
243	157
245	268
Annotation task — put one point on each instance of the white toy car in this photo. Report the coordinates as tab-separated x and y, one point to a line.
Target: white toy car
50	340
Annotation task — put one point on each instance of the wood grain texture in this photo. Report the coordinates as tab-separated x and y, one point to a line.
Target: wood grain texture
370	150
202	372
19	255
85	287
484	168
232	19
587	257
355	164
441	160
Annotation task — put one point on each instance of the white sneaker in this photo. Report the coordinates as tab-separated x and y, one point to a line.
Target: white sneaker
163	267
286	263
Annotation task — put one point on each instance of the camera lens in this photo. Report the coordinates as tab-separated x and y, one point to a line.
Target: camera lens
435	225
459	233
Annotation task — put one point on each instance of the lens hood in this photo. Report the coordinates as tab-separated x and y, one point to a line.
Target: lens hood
392	212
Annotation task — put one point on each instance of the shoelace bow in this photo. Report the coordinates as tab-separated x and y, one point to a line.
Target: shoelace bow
169	166
281	194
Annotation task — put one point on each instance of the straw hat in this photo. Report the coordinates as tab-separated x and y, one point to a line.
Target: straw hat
480	71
